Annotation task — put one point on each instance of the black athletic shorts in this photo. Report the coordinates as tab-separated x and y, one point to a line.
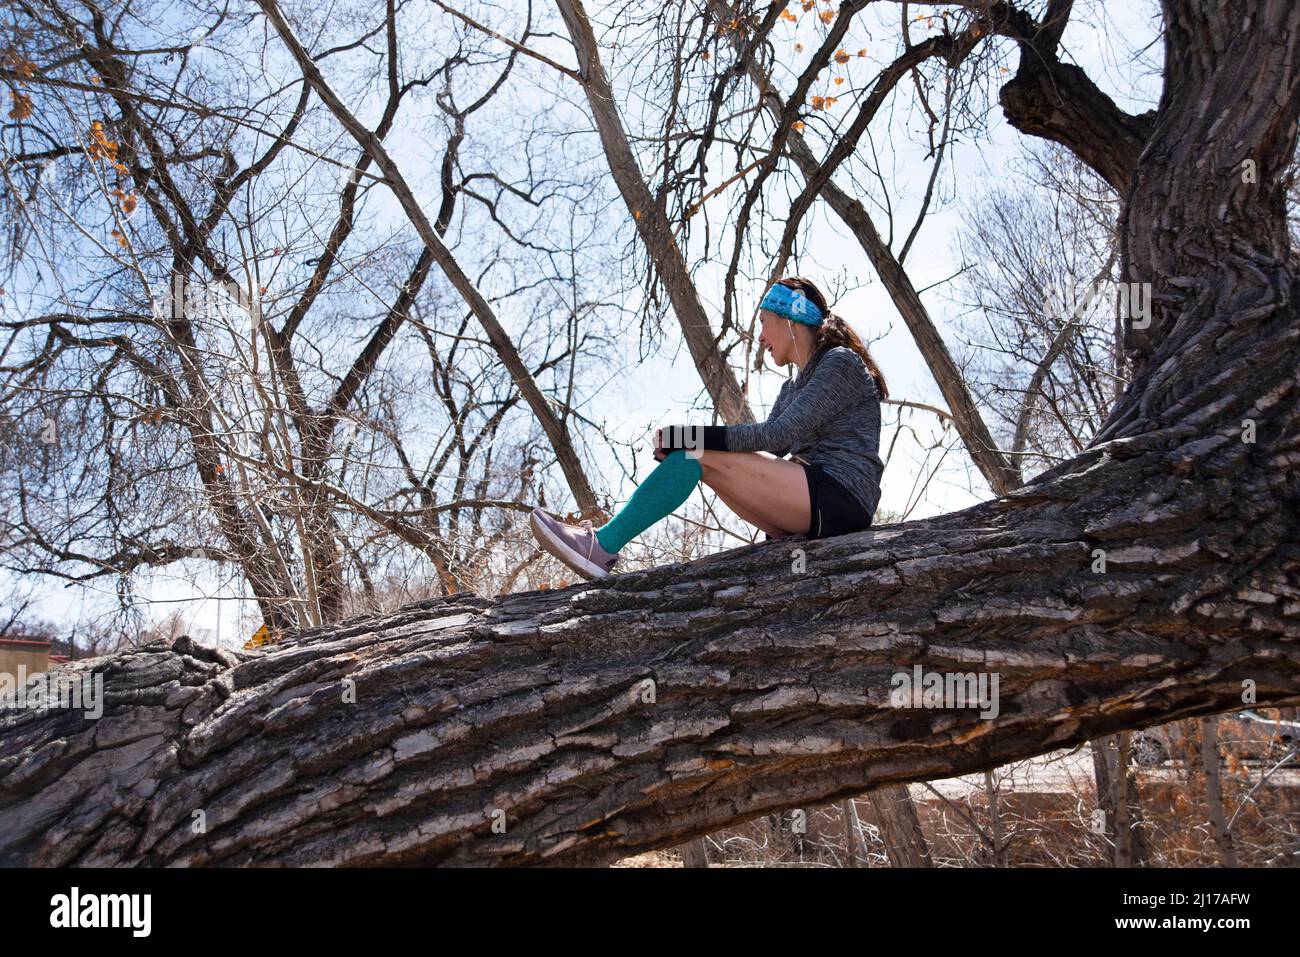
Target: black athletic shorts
834	510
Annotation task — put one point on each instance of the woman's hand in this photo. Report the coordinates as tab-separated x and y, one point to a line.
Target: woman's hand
660	452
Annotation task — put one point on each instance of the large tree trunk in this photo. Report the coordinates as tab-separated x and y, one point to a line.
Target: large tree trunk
1145	580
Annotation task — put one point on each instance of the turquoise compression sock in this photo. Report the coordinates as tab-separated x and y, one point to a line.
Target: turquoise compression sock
670	484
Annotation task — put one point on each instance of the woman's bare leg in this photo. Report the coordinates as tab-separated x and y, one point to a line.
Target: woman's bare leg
766	491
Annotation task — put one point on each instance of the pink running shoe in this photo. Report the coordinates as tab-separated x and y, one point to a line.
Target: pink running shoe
575	545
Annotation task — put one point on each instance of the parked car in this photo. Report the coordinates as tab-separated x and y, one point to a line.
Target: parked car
1246	734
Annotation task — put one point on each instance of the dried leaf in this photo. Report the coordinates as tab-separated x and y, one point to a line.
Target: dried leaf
22	107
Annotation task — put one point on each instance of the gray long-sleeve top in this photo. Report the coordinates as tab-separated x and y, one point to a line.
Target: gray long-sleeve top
829	415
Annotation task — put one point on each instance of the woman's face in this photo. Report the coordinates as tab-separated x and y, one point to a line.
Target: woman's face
780	336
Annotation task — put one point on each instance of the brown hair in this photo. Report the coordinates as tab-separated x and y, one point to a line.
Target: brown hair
834	331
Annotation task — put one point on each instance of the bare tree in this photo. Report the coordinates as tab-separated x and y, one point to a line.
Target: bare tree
1038	279
242	375
1143	579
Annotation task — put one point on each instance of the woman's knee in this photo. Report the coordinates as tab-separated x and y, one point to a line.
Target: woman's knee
714	460
725	469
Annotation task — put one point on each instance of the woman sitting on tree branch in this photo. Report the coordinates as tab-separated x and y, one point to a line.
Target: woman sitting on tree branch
827	419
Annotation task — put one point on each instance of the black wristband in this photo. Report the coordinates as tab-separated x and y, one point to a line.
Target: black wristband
709	438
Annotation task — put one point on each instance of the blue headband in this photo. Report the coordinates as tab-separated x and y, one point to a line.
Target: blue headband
792	304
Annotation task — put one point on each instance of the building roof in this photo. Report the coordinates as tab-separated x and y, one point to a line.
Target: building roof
24	644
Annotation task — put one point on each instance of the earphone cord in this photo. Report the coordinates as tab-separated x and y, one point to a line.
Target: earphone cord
796	343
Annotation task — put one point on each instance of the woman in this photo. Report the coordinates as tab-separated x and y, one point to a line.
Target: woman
827	419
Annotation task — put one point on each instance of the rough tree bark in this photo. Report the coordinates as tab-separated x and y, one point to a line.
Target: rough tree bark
1145	580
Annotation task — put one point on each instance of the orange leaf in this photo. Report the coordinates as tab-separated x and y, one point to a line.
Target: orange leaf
862	52
827	16
19	63
798	124
841	56
798	47
636	214
705	54
260	637
22	107
839	80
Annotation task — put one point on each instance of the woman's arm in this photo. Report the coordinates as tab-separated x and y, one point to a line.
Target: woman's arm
834	386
